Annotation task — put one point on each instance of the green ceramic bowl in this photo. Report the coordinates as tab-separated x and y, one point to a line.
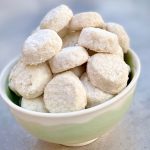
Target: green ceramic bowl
73	128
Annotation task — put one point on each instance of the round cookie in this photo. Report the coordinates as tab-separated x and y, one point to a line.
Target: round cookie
68	58
65	93
119	52
11	80
36	104
71	39
86	19
98	40
78	71
95	96
62	33
29	81
41	46
123	37
57	19
108	72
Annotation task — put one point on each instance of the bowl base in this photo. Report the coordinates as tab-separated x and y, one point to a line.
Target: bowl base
81	144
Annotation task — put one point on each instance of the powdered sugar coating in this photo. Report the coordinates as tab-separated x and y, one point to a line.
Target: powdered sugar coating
13	75
71	39
123	37
108	72
62	33
29	81
119	52
95	96
36	104
86	19
65	93
68	58
57	18
41	46
98	40
79	70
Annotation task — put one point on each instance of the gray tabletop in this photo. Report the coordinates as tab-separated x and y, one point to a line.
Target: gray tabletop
19	18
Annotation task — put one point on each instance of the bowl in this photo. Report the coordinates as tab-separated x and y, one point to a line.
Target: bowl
73	128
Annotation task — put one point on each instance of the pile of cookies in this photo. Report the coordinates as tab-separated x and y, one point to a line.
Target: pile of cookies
70	63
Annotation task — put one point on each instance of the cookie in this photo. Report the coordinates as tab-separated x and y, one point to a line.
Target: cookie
123	37
86	19
36	104
41	46
78	71
57	19
65	93
68	58
98	40
29	81
108	72
119	52
62	33
95	96
71	39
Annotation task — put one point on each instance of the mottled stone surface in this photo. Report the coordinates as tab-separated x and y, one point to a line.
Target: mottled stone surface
19	18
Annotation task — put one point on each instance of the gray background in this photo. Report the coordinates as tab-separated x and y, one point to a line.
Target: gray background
18	19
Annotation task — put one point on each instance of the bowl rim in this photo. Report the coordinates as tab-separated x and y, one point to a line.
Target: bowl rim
69	114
